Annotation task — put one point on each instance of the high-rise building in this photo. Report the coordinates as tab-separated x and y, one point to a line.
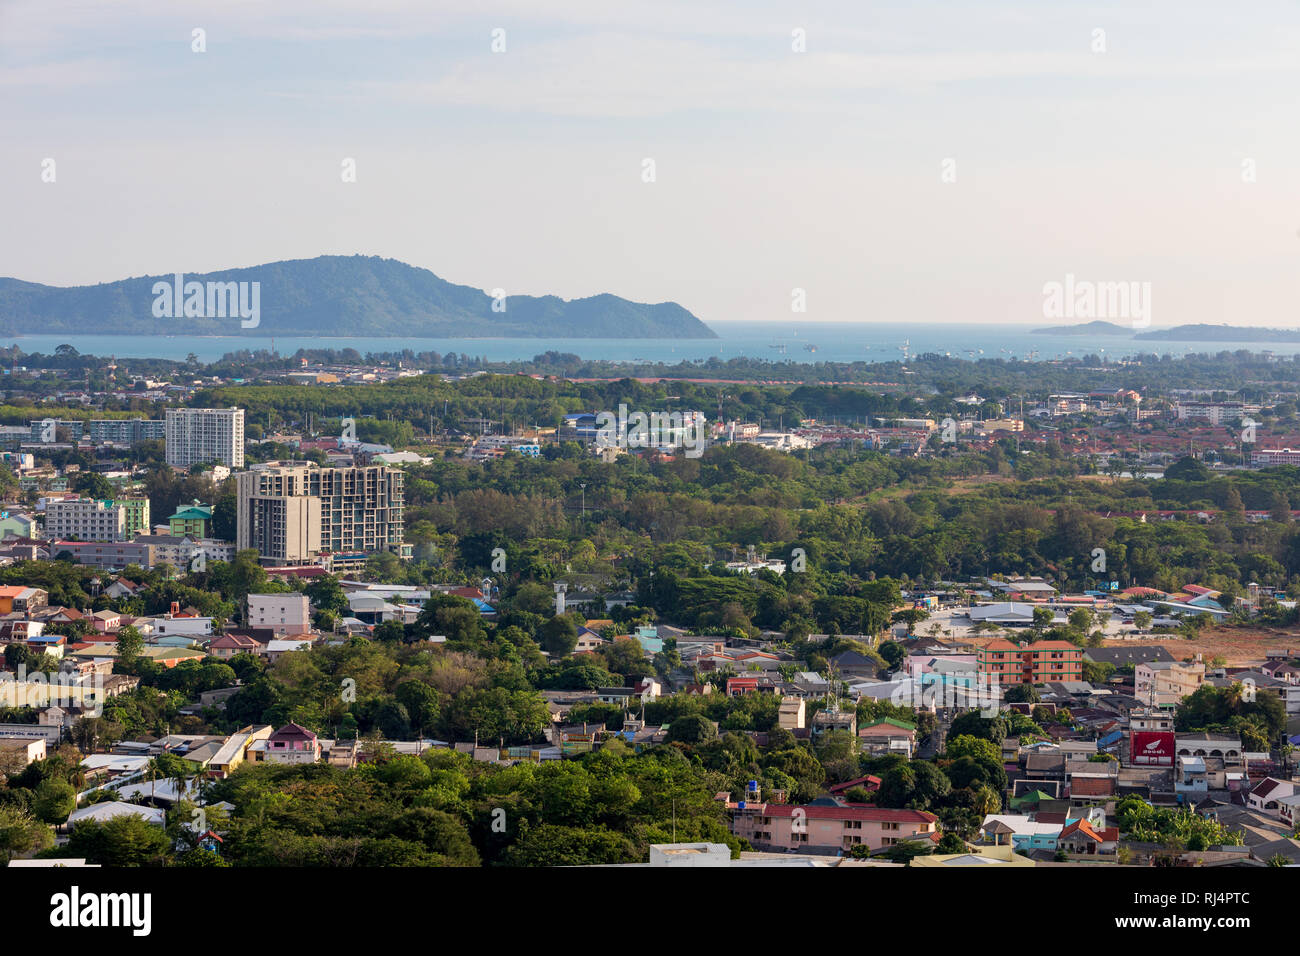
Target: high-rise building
198	435
293	512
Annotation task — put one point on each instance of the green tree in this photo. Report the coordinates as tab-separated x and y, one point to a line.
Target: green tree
54	800
691	729
128	840
130	643
559	636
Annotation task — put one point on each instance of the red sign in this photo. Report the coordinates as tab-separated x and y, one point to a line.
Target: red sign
1151	748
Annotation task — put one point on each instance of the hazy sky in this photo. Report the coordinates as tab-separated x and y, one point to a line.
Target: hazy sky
774	169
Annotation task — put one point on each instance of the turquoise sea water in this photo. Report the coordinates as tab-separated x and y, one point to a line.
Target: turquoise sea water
809	342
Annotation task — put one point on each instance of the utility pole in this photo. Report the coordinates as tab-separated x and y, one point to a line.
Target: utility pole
583	486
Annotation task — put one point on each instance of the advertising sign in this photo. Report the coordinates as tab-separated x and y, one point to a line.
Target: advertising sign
1151	748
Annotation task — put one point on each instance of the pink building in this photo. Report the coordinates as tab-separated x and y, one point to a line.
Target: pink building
829	826
290	744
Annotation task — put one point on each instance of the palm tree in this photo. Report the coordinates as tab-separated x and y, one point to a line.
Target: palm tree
152	771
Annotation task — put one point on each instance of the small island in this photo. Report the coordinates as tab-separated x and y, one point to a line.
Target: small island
1178	333
1097	327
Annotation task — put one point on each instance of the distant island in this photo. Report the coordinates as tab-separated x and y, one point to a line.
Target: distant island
1088	328
1222	333
348	296
1178	333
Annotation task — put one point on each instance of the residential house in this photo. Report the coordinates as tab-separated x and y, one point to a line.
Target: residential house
274	650
1191	779
122	588
106	621
1086	837
825	721
849	664
22	600
291	744
888	736
1163	684
228	645
1019	831
235	750
790	714
1266	794
588	641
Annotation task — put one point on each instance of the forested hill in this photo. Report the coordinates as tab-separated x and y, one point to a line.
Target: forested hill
341	296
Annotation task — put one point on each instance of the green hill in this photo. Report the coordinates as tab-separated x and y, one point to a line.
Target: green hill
341	296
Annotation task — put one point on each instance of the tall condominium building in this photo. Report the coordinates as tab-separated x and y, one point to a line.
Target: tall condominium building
294	512
198	435
85	519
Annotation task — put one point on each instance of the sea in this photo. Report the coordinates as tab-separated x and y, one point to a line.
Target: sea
806	342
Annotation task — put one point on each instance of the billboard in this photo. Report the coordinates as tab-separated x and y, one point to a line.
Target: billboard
1151	748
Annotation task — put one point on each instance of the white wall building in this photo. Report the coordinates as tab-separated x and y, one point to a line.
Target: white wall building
198	435
284	613
85	519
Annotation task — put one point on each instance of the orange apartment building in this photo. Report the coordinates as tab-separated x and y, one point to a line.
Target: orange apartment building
1001	662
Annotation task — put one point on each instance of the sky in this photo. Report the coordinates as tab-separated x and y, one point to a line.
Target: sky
913	161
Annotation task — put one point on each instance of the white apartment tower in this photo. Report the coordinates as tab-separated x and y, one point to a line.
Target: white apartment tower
198	435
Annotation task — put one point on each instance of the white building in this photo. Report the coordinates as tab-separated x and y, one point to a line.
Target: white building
112	809
1275	456
198	435
169	626
85	519
1216	413
284	613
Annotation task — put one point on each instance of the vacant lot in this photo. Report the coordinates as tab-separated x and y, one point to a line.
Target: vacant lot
1239	646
